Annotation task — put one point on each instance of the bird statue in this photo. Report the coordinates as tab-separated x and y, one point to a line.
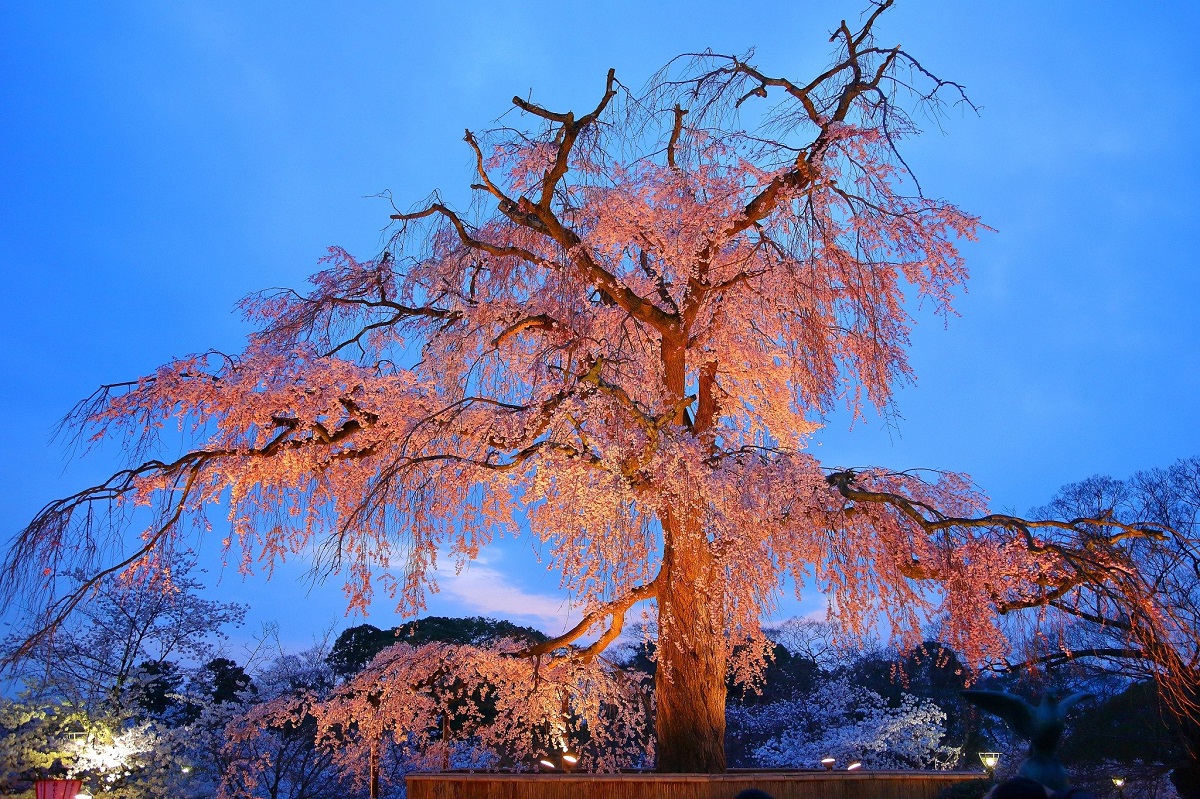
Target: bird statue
1040	724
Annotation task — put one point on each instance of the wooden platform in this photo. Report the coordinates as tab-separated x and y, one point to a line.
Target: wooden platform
780	784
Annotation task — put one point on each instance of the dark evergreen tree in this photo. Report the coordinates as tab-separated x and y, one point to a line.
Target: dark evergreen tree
356	646
153	689
223	680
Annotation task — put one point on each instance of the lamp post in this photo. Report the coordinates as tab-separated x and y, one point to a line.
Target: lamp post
990	760
1119	784
828	762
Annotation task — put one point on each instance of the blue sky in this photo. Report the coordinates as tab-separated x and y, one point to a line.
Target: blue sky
160	160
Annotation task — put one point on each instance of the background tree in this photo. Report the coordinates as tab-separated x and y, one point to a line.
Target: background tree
624	345
1097	630
849	722
105	696
884	707
124	645
268	748
36	739
813	640
154	687
223	680
355	647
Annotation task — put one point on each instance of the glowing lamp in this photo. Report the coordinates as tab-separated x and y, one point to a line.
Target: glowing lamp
854	766
990	760
1118	782
186	769
545	763
828	762
570	758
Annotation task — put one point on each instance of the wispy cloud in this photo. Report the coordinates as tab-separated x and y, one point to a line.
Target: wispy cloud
488	591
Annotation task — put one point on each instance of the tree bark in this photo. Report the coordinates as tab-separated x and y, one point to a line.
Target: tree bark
689	683
690	680
373	790
674	357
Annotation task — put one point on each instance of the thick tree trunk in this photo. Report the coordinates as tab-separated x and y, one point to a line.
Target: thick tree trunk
689	685
690	682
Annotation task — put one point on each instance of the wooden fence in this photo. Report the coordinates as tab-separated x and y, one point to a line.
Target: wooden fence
779	784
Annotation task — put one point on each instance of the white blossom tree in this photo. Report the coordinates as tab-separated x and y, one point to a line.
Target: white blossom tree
850	723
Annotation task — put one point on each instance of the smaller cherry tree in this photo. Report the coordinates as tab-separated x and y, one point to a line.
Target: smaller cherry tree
438	704
138	761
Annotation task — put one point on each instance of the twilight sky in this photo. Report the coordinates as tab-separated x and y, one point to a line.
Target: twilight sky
160	160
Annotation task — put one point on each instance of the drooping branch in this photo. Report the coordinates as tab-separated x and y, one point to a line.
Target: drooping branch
614	611
31	546
42	539
293	433
1089	556
460	227
932	520
1061	657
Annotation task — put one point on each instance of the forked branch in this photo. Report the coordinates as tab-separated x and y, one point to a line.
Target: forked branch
615	611
569	132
